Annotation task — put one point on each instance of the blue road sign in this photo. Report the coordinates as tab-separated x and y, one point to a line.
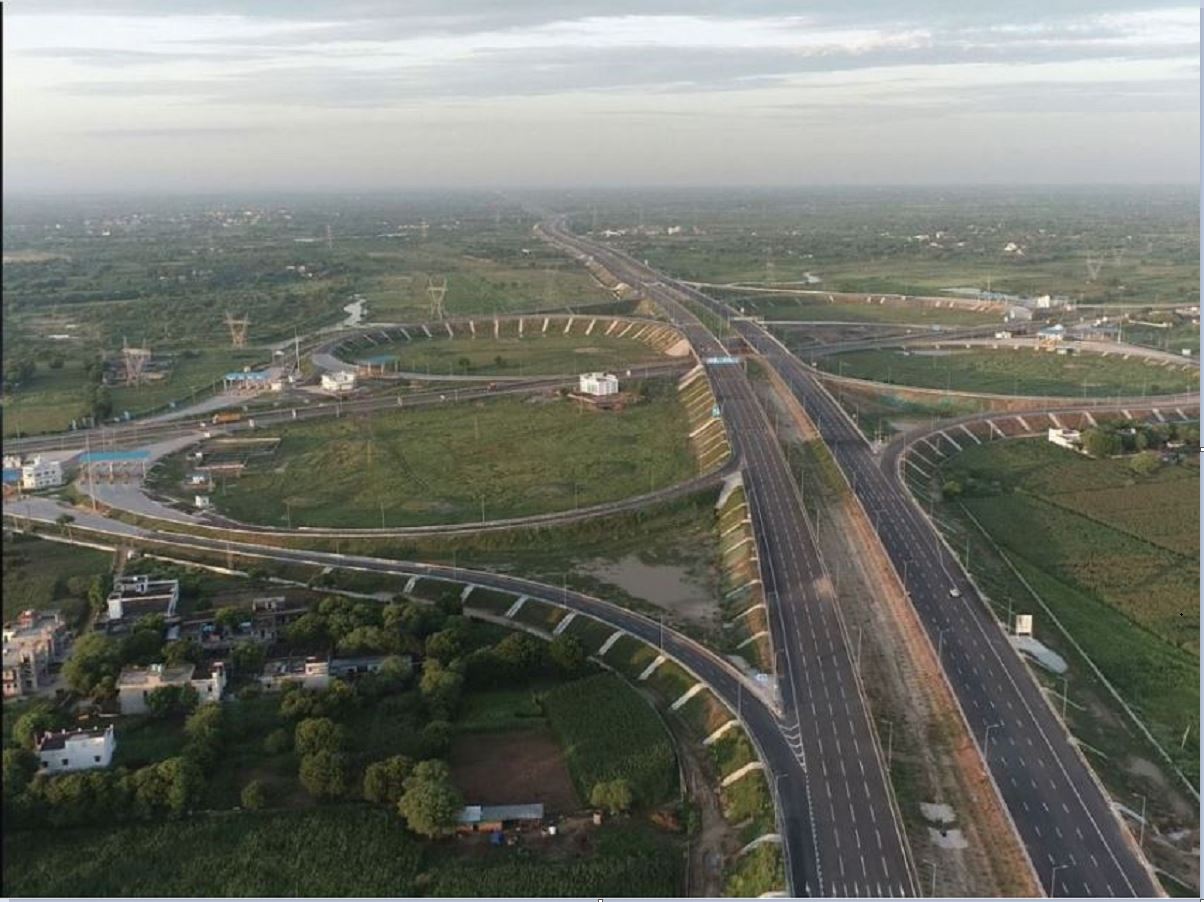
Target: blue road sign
721	361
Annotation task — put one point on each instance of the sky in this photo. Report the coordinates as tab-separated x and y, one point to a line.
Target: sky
108	96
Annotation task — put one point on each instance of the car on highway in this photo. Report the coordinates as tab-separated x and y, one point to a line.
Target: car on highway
955	592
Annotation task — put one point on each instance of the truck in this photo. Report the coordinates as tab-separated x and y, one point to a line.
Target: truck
220	418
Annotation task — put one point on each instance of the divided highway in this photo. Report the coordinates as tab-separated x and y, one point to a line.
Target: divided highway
1077	843
841	827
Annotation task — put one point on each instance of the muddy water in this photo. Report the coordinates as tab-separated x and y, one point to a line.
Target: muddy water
671	587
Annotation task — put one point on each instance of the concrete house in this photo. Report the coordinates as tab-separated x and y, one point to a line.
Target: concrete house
76	750
32	642
135	684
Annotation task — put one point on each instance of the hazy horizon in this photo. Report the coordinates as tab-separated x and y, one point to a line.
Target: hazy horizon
236	96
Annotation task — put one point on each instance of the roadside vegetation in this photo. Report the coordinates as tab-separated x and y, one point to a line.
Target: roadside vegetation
1014	372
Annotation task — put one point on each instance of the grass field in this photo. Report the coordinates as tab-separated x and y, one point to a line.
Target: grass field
53	398
534	354
609	732
510	456
1113	555
817	308
1013	372
43	574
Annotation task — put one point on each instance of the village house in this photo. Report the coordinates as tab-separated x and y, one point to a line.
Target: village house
76	749
135	684
32	642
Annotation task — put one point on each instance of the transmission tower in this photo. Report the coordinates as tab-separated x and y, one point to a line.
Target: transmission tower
238	329
135	362
329	238
435	291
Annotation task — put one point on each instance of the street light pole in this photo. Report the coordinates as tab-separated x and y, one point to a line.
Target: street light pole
1053	878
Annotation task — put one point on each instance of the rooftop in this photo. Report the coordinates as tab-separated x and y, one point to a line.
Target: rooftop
476	814
156	673
49	742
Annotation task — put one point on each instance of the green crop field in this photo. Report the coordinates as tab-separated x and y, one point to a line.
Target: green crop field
533	354
43	574
1112	554
1013	372
608	732
511	456
1131	541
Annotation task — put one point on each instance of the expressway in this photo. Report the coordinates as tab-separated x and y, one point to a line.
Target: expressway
1075	840
841	797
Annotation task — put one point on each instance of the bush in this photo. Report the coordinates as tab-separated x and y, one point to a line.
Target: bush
317	734
384	781
613	795
254	796
430	802
324	774
278	742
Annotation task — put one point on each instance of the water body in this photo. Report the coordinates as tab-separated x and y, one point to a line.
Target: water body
669	586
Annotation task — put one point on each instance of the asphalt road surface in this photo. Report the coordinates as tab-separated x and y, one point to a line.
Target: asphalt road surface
856	843
1077	843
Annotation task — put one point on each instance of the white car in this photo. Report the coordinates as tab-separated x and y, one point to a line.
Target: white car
955	593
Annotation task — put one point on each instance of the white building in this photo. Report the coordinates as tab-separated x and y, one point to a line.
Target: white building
598	384
76	750
1016	313
339	382
311	673
135	684
1066	438
137	596
40	473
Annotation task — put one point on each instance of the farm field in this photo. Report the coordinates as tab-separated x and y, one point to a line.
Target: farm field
511	456
817	308
1013	372
610	732
332	851
519	766
1129	540
919	241
536	354
1110	553
43	574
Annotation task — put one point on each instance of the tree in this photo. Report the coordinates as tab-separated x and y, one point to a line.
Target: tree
567	653
366	640
445	645
229	618
440	688
181	651
254	795
248	657
430	802
612	795
1145	463
1099	443
278	742
384	781
142	646
32	724
521	654
317	734
64	521
93	657
168	700
308	631
19	767
324	774
98	592
436	738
